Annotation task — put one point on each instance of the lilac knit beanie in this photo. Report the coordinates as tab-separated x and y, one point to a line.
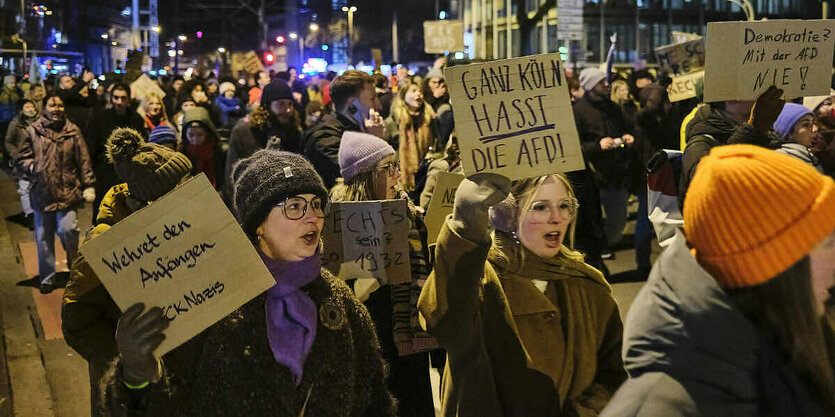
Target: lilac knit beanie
360	152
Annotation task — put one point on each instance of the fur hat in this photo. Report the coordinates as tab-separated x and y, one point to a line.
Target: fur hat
150	170
226	86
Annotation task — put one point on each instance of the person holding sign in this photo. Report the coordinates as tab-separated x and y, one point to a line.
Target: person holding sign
88	313
733	320
529	328
371	172
305	347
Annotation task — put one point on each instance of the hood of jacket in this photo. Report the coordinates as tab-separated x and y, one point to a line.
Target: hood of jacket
712	121
683	324
200	115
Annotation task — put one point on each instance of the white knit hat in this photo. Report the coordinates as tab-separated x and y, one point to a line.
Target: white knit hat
813	102
360	152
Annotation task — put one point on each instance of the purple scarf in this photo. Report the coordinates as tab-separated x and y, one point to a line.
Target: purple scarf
291	314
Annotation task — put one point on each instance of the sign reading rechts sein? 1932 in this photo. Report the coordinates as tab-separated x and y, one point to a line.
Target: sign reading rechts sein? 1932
513	117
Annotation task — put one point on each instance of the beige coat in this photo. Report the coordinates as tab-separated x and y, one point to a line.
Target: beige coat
512	349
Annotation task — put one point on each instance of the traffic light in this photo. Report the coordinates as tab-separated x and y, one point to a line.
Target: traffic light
269	58
279	39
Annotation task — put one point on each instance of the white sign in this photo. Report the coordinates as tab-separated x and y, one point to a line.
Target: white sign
184	253
440	36
744	59
514	117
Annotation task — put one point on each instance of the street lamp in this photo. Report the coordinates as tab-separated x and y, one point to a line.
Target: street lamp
182	38
313	27
350	11
294	35
221	49
156	28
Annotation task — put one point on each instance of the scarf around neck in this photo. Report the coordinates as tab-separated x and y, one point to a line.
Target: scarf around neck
205	156
511	258
291	314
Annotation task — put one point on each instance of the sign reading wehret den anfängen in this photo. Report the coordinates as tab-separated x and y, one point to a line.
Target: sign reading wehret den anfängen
184	253
513	117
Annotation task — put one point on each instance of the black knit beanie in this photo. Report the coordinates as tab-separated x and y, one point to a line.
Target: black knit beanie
267	178
276	90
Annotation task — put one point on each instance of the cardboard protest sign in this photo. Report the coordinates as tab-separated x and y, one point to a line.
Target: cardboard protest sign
682	58
681	37
441	36
513	117
684	86
251	63
144	86
368	239
184	253
745	58
441	204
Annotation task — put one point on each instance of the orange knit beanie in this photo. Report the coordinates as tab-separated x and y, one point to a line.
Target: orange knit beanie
751	213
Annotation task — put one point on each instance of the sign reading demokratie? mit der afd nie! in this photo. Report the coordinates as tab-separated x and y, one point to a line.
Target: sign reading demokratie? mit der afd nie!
513	117
743	59
184	253
368	239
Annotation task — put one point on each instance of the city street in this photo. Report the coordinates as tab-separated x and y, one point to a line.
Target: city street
46	377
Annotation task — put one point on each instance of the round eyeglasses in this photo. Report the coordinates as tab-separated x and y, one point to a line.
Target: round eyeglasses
540	211
296	207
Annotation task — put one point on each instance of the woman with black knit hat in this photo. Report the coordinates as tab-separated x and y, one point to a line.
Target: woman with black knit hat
313	353
371	172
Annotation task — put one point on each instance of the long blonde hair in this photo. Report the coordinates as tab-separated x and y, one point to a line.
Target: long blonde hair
147	102
415	141
524	191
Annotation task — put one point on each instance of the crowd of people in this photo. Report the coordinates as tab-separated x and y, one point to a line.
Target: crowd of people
513	304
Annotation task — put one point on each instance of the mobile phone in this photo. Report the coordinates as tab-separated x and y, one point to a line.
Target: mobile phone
94	84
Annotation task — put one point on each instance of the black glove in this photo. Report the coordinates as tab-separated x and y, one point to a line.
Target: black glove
475	195
765	110
137	336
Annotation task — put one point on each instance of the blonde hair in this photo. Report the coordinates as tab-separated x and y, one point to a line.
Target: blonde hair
618	87
400	111
524	190
147	102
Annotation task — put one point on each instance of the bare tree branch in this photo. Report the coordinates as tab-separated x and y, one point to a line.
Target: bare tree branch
248	7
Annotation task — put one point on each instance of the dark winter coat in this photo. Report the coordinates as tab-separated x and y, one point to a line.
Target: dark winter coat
101	125
16	132
690	352
714	127
229	369
78	107
57	164
89	315
597	120
321	145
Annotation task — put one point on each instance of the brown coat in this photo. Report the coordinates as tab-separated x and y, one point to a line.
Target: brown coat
58	165
514	350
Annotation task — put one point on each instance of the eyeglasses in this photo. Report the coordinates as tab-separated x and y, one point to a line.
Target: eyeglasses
540	211
391	168
296	207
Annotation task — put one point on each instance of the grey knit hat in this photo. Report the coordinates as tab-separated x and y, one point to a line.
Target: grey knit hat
267	178
150	170
360	152
589	78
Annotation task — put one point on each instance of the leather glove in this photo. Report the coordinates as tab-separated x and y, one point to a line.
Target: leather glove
475	195
766	109
137	336
89	194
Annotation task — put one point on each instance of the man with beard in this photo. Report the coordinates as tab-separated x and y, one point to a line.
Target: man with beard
354	102
99	129
274	123
54	159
